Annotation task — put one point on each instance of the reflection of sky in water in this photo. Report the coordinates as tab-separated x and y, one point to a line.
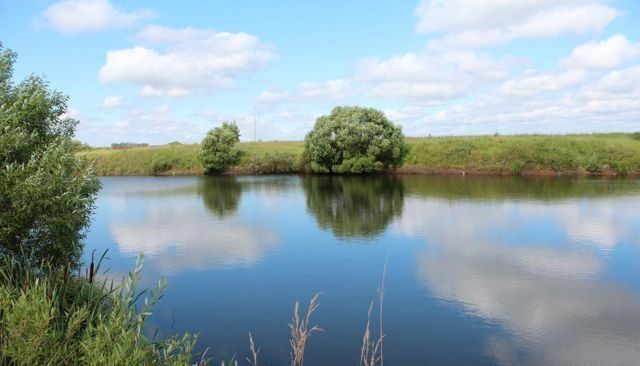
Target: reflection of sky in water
555	300
528	272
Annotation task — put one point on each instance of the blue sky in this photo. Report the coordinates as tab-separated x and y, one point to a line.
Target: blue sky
159	71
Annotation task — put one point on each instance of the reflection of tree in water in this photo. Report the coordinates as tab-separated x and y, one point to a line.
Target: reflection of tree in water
221	195
354	206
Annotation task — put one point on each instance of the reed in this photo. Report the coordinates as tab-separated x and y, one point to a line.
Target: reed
301	331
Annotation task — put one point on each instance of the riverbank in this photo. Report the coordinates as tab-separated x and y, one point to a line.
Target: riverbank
606	154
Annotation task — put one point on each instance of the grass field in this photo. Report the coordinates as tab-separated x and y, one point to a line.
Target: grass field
521	154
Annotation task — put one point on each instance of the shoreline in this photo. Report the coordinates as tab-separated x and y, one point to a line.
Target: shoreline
240	171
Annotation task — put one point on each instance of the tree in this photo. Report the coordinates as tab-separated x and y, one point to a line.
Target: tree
354	140
217	150
46	193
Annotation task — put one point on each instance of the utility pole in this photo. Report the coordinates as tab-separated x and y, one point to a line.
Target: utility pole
255	136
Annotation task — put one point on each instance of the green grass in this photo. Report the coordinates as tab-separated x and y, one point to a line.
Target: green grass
522	154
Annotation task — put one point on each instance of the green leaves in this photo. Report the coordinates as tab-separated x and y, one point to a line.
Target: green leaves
217	150
354	140
46	193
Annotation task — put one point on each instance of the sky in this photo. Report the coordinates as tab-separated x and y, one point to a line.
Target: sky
163	71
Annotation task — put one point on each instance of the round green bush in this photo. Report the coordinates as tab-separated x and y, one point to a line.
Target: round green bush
217	150
354	140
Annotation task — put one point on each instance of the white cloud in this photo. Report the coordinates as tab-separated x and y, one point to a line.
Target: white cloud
331	90
533	82
77	16
472	24
112	101
428	78
610	53
192	60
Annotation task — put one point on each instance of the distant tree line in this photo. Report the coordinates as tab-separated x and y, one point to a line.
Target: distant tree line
127	145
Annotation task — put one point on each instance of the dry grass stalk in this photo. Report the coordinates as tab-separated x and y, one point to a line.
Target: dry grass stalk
372	351
300	331
254	353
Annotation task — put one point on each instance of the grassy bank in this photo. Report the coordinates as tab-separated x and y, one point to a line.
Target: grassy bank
524	154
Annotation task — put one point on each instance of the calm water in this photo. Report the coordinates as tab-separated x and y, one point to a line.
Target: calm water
480	270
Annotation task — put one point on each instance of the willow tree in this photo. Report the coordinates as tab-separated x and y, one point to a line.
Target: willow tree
354	140
46	192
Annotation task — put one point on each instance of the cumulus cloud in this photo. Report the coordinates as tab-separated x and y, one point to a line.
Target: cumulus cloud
185	60
610	53
532	82
430	77
497	21
78	16
330	90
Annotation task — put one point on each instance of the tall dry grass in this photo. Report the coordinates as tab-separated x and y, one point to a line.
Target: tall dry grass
301	331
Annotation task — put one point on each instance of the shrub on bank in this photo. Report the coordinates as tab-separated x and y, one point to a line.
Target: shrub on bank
218	149
277	163
354	140
49	316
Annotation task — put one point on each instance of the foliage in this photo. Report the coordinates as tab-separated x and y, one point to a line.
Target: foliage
128	145
354	206
594	164
635	136
160	164
46	192
354	140
49	316
276	163
516	167
217	150
78	145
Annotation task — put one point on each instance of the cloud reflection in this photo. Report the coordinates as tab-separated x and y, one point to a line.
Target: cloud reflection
178	233
553	299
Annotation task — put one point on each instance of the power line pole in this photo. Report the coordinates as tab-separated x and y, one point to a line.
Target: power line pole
255	136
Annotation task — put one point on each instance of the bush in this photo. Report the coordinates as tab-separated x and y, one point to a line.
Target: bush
516	167
217	151
46	192
278	163
354	140
594	165
160	164
50	317
635	136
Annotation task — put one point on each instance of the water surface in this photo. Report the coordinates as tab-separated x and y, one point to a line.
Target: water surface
481	270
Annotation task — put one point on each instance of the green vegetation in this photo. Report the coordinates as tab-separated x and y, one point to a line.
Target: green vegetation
354	140
128	145
617	153
218	149
49	316
46	192
181	159
526	154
